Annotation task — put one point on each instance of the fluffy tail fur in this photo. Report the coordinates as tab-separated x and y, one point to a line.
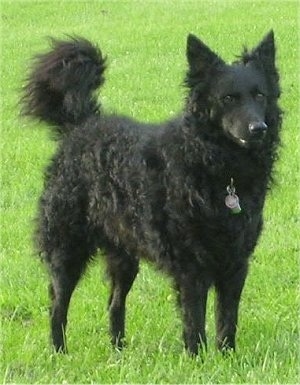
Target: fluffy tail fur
61	84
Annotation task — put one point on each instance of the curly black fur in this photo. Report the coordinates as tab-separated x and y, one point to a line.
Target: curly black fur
156	191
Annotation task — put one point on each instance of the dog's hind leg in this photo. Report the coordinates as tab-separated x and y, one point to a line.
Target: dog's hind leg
228	291
65	276
192	299
122	270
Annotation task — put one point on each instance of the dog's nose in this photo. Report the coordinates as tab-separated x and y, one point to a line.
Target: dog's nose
258	128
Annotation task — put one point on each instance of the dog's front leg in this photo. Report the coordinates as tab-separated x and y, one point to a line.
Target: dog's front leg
192	299
228	290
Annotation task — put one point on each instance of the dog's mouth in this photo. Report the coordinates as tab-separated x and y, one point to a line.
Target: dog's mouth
248	143
242	142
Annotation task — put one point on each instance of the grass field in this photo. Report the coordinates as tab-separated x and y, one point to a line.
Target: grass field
145	44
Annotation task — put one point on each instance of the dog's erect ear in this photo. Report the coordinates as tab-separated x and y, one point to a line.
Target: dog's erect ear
265	51
200	57
264	56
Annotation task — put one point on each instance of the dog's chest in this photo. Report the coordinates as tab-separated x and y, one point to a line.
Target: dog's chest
220	229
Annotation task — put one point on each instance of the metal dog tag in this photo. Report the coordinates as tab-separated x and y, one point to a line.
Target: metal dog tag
232	200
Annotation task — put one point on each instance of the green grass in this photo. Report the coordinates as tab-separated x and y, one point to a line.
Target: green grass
145	44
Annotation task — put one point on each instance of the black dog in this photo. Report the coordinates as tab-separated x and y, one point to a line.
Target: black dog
187	195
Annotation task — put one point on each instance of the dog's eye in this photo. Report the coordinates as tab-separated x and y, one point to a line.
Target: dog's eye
229	99
259	96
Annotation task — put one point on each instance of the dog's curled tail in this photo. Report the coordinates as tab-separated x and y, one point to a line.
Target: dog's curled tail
60	87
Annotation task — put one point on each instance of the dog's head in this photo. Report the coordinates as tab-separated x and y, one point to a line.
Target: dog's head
236	97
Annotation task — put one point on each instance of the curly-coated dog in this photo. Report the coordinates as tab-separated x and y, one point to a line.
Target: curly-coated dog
187	194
